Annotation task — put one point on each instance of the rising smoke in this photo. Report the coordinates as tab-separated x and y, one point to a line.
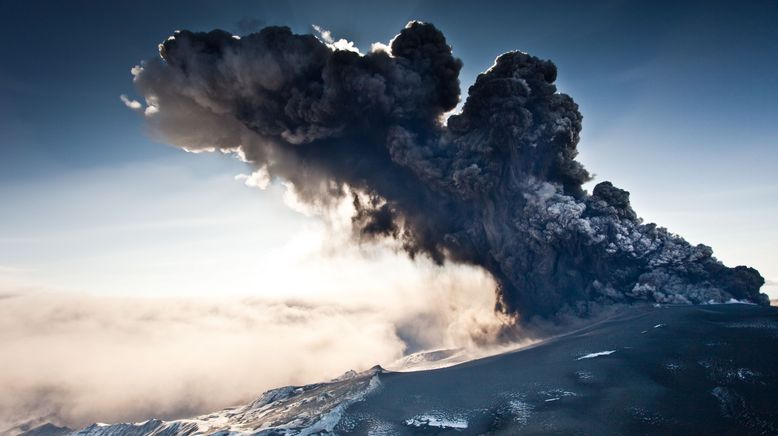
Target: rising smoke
497	186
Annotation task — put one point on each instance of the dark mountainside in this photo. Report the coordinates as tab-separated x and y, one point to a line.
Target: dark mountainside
496	186
691	370
672	370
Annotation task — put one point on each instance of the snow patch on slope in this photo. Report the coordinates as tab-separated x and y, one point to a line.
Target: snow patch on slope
598	354
437	419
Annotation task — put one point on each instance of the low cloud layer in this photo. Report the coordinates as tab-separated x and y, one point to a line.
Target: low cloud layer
77	359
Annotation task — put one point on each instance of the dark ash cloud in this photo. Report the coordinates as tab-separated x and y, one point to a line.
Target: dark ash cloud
497	186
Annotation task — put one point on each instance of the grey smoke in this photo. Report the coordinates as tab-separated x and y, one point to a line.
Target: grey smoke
497	186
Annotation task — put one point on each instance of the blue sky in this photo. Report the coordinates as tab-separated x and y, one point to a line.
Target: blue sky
680	105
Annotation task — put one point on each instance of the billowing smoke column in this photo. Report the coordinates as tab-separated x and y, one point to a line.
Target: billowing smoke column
496	186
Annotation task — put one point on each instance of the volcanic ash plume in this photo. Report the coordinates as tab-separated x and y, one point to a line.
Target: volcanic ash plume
496	186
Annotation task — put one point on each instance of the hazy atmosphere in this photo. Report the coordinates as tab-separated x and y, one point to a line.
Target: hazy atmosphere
189	219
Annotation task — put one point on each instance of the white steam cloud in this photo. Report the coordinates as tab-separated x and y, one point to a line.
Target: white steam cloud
77	359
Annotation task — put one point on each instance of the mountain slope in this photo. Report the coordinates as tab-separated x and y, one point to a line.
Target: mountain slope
670	370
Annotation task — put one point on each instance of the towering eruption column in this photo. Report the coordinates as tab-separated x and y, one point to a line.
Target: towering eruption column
497	186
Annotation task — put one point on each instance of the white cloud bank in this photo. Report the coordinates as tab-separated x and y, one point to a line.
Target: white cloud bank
78	359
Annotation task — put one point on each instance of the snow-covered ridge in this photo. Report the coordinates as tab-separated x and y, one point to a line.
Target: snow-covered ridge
290	410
